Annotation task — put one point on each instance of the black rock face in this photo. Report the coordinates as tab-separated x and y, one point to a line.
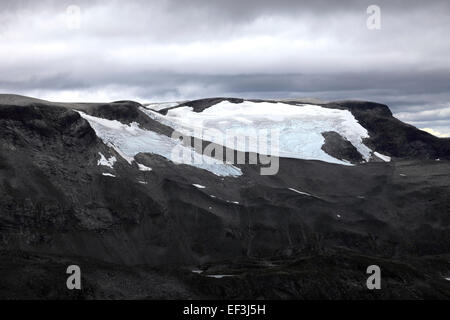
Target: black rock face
202	104
310	231
340	148
392	137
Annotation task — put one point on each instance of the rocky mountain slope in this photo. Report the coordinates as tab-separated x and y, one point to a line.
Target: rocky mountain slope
96	185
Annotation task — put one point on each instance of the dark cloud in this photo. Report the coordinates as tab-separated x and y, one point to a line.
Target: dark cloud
162	50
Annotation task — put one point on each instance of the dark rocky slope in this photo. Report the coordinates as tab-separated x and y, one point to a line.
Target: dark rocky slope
133	240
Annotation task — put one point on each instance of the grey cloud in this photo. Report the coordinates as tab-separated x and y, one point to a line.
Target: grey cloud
152	50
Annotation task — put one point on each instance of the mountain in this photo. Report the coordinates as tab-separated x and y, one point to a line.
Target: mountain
100	186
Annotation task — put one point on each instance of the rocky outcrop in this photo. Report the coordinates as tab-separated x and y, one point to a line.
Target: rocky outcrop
340	148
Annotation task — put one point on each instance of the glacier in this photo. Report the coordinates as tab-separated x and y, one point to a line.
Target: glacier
129	140
299	127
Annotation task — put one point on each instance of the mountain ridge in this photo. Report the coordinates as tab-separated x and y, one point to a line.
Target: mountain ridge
57	205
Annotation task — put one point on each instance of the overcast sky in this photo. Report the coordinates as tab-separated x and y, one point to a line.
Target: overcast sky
174	50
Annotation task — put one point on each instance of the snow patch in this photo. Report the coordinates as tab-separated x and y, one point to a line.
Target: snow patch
196	271
161	105
304	193
108	175
129	140
216	276
143	168
106	162
382	157
198	186
142	182
219	276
